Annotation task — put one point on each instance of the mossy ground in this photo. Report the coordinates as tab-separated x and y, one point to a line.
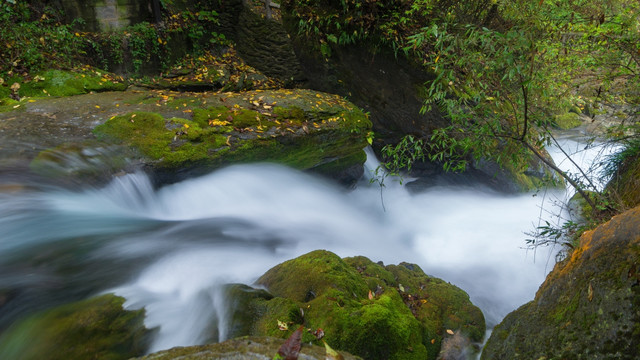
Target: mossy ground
64	83
377	312
243	348
97	328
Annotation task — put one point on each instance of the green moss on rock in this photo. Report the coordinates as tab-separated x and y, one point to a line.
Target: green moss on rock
67	83
361	307
97	328
309	131
245	348
567	121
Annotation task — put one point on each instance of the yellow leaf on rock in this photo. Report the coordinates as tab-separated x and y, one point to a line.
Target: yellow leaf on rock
331	354
449	331
282	326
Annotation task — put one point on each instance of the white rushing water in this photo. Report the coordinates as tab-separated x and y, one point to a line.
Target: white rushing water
470	237
232	225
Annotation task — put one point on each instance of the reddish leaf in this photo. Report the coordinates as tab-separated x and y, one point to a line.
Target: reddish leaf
318	333
291	347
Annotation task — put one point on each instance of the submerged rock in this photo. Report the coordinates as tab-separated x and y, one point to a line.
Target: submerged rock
588	307
373	311
246	348
97	328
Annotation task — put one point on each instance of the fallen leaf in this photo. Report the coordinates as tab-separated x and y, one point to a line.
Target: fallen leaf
370	295
318	333
291	347
449	331
590	292
282	326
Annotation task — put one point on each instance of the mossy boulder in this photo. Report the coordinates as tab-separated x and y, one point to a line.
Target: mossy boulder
587	308
246	348
303	129
97	328
567	120
367	309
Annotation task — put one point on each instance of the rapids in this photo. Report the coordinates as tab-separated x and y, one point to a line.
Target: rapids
170	249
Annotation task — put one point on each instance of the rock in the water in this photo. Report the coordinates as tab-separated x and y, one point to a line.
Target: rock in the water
179	135
589	305
97	328
303	129
377	312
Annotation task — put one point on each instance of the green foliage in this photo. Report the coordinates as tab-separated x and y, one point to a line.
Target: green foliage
630	149
34	40
403	155
380	23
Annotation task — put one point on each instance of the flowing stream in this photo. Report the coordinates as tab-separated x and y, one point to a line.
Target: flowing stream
170	249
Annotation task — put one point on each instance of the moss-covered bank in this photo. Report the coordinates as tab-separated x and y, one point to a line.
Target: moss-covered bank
60	83
245	348
587	308
304	129
97	328
367	309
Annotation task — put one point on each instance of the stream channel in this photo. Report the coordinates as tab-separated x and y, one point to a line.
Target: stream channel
170	249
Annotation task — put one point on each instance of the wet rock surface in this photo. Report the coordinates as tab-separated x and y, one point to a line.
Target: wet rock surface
588	306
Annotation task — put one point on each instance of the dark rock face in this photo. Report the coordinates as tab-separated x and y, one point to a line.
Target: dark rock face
589	306
386	86
265	45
